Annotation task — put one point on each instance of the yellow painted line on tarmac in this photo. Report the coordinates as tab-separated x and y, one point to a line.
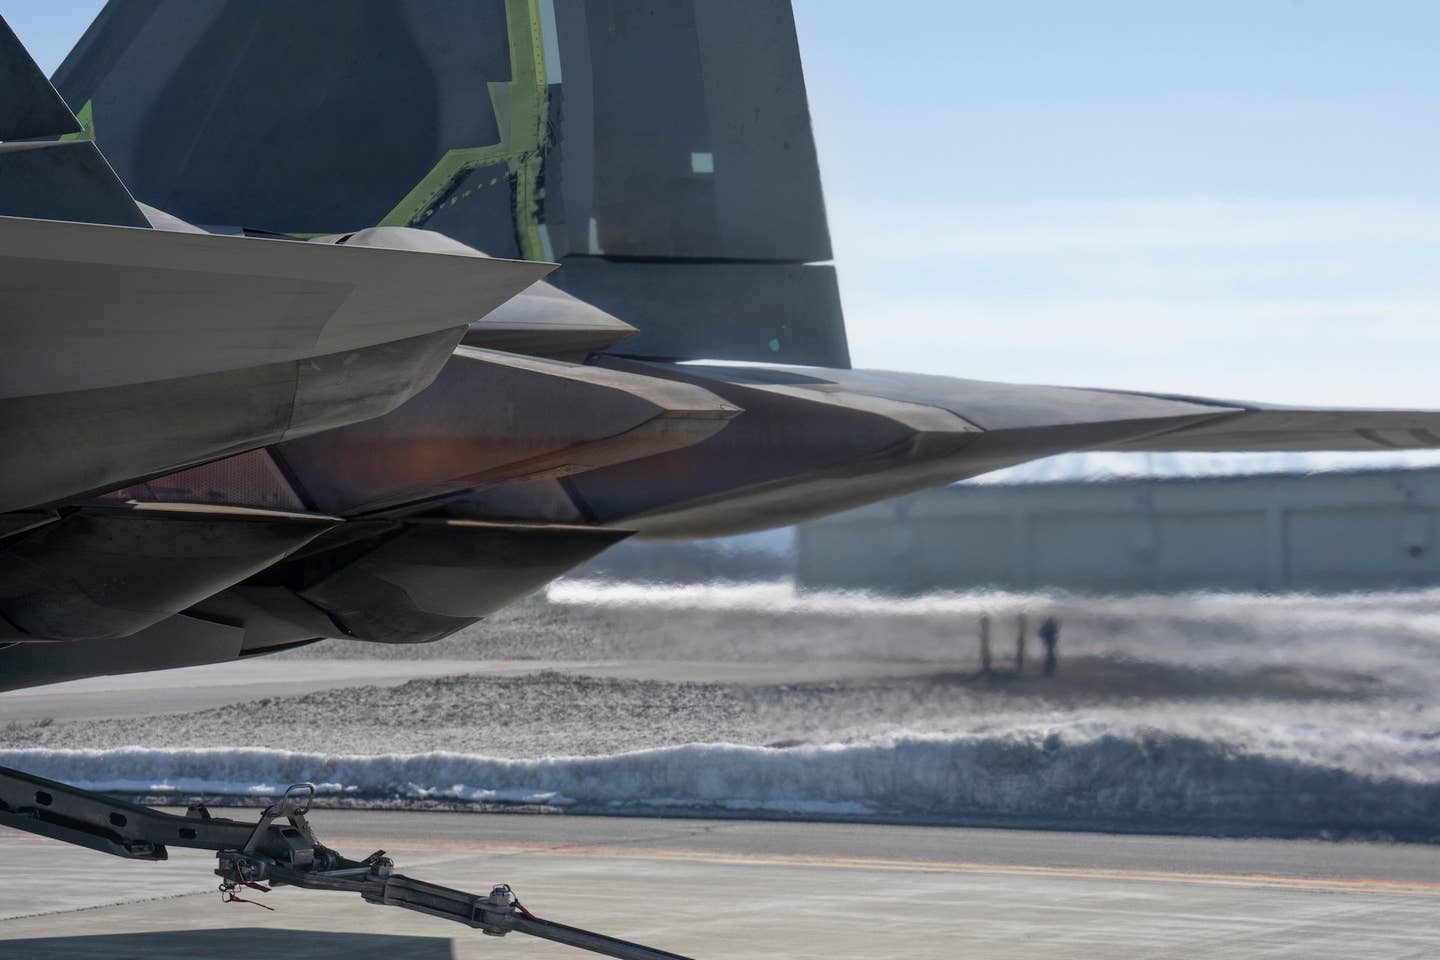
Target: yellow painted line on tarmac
1246	881
1367	885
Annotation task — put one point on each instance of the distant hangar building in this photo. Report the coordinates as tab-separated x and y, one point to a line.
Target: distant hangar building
1372	529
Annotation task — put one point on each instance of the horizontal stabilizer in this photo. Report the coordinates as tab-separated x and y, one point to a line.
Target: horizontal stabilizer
194	303
147	351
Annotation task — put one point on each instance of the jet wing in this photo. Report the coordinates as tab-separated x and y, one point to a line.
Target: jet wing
810	441
1267	429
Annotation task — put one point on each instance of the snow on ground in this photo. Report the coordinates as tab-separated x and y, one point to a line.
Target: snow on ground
1094	774
1220	713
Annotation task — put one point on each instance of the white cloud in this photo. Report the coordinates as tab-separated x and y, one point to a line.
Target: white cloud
1152	226
1136	323
1328	301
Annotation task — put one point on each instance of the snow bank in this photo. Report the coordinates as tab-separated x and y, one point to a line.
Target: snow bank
1409	611
1083	774
1109	465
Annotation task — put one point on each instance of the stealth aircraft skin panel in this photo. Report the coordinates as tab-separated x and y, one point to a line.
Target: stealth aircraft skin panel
280	364
128	350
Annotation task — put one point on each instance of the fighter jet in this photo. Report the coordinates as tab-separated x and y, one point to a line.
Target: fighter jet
280	364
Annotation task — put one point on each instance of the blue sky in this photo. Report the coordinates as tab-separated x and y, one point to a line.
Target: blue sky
1226	198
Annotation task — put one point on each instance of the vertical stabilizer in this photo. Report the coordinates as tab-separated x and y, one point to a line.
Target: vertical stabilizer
30	107
46	173
659	149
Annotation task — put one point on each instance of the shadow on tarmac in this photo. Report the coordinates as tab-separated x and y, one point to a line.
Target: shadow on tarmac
245	942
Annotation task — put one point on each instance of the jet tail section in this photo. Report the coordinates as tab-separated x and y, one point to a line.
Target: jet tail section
30	108
662	154
42	177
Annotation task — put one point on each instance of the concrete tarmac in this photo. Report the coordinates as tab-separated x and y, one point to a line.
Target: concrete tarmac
733	889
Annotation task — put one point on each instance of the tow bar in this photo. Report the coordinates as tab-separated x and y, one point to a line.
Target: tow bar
280	849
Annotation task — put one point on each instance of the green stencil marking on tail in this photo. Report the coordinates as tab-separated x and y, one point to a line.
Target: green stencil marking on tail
521	106
86	118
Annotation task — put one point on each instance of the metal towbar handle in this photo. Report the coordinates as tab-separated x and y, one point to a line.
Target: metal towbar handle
279	849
